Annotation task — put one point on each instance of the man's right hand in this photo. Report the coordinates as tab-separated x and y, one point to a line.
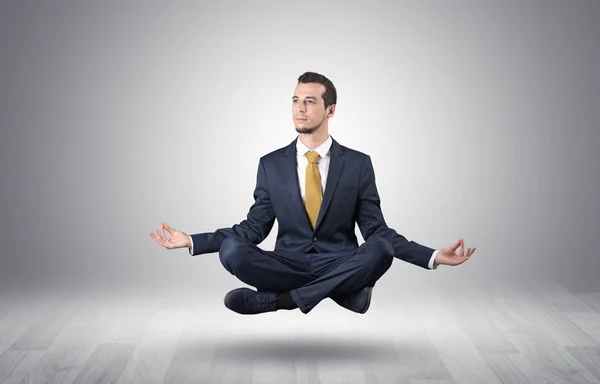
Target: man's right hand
179	239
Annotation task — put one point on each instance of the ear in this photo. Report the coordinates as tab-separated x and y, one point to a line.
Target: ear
331	111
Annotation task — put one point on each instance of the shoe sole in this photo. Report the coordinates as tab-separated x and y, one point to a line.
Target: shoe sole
368	301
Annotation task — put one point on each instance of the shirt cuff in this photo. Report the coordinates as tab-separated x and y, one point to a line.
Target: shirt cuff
191	249
432	259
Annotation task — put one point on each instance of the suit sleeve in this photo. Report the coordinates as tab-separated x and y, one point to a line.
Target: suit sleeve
255	228
371	222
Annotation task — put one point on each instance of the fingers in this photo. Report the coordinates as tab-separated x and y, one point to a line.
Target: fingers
162	231
169	229
466	256
462	253
457	259
159	234
460	260
158	239
454	247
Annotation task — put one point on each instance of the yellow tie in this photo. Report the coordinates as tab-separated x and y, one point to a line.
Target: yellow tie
314	191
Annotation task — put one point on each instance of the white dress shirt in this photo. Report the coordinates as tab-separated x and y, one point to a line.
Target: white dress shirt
323	165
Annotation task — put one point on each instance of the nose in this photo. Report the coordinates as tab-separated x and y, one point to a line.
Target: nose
301	107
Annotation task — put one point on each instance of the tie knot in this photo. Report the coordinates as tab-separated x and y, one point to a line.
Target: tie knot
312	156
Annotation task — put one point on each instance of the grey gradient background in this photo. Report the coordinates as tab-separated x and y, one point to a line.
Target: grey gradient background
482	120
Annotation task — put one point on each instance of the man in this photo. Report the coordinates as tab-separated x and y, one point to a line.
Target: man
317	189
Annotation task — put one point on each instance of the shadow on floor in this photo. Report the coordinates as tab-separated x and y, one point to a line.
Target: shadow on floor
316	349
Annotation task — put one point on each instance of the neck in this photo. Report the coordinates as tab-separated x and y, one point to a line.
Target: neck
313	140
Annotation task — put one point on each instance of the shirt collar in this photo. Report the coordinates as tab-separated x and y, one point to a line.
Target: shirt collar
322	149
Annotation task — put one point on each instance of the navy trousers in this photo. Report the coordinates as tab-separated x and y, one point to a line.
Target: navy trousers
310	277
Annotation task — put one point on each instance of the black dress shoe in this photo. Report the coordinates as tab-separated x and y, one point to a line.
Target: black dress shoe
248	302
358	301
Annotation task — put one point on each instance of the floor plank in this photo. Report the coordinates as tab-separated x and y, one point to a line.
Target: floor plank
46	328
17	320
194	353
571	315
513	335
412	355
590	299
273	371
509	372
589	357
66	357
155	349
228	367
460	356
125	323
20	370
106	364
535	338
306	370
482	333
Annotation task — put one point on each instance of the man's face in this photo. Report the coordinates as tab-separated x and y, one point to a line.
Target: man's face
308	107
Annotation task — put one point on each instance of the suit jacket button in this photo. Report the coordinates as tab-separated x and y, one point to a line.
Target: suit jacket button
314	239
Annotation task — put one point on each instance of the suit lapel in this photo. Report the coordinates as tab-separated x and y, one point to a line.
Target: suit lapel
336	164
291	180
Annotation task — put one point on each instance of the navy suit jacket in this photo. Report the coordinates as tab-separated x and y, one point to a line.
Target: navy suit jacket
350	197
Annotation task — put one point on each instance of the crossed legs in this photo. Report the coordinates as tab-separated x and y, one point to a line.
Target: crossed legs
309	278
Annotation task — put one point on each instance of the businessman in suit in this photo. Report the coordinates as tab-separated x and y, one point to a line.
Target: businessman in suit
317	189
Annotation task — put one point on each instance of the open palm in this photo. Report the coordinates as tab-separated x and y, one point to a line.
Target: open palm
448	256
178	239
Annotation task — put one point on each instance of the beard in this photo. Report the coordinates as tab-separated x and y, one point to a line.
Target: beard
307	130
310	130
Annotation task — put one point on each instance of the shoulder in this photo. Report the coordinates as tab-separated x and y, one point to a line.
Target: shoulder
355	159
276	155
353	153
352	156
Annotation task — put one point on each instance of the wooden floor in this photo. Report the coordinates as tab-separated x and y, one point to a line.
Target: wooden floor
542	335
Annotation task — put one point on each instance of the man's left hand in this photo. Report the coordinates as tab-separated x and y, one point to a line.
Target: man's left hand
448	256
